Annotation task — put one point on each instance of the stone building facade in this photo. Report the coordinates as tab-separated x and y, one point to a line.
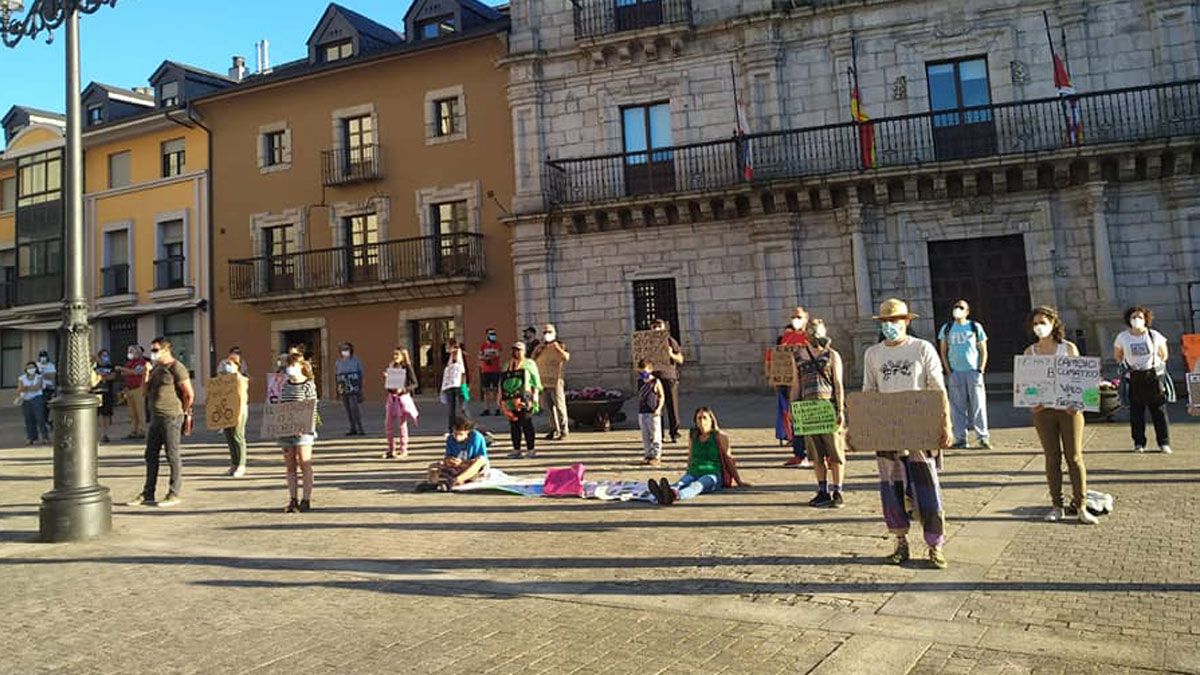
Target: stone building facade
636	198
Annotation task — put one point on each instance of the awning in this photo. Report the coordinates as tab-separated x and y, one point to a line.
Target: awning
13	324
138	310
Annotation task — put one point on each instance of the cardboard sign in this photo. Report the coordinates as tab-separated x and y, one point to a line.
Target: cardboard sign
1059	382
396	378
514	384
550	367
289	419
904	420
783	362
653	345
349	384
811	418
223	402
275	386
1193	387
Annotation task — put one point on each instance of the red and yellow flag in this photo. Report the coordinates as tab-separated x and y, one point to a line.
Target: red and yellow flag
866	129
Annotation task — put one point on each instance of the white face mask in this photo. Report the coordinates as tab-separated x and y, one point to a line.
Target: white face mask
228	368
154	355
797	324
1042	330
31	371
1137	323
960	313
819	332
549	337
345	353
131	355
294	372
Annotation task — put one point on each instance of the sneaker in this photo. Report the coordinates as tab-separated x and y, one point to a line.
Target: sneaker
239	472
937	557
139	500
1070	512
305	506
985	443
794	462
532	454
664	486
656	490
652	461
485	413
806	463
515	454
293	506
1087	518
171	500
1055	515
901	553
351	433
1139	448
388	455
822	499
550	436
837	502
959	445
1164	449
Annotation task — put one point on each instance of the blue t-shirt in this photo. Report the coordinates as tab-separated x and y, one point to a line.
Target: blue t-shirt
962	344
469	450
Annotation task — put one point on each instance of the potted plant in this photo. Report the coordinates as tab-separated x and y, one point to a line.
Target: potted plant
596	407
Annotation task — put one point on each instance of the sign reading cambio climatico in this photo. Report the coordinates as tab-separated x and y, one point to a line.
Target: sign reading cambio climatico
1059	382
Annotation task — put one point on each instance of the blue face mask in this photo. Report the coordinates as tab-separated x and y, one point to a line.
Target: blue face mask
105	360
891	330
643	376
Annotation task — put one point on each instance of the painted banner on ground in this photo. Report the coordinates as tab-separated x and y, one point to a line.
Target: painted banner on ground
289	419
275	386
783	362
810	418
1059	382
904	420
652	345
1193	387
223	402
550	367
349	383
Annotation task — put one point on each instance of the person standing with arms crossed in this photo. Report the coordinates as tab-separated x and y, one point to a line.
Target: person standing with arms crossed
169	396
964	351
489	370
558	395
668	373
904	363
134	373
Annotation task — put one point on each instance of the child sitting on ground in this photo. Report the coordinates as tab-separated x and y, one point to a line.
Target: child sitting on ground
466	459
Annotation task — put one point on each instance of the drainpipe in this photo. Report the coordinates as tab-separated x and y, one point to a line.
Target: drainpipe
211	305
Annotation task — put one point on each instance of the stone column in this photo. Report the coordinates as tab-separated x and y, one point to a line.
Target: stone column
1094	209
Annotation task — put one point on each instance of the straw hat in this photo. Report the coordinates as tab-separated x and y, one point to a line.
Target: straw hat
892	309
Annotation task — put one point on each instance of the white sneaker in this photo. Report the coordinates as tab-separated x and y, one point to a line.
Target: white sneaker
1086	517
239	472
1166	449
1139	448
1055	515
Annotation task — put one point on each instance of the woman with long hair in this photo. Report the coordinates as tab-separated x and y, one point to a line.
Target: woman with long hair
297	450
401	381
708	451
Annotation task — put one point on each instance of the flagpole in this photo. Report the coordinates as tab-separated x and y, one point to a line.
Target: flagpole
739	134
1066	108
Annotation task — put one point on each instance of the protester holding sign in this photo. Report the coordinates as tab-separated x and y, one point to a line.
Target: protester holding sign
1060	431
235	435
400	380
552	349
794	337
668	372
1143	352
455	392
818	378
904	363
297	449
964	349
1193	385
520	389
349	373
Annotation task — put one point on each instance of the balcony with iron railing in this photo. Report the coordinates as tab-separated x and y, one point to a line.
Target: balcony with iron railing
170	273
114	280
1134	115
432	266
599	18
353	164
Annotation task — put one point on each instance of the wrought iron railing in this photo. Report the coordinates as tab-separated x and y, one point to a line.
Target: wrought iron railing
455	256
1044	125
596	18
114	280
170	273
353	164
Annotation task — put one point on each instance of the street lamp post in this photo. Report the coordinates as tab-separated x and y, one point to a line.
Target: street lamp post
77	507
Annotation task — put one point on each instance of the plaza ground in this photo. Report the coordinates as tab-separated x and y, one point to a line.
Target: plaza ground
380	579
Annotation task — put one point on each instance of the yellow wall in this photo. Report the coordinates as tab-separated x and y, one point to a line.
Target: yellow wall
145	157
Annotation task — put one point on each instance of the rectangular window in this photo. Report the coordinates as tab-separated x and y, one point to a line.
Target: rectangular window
654	299
172	158
358	134
339	51
634	14
8	194
8	277
274	146
115	273
39	178
362	242
445	114
11	352
170	266
957	85
278	250
169	94
95	115
119	169
40	258
434	28
649	165
451	220
177	328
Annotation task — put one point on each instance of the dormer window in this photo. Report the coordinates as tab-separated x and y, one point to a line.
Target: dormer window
435	28
95	115
338	51
169	94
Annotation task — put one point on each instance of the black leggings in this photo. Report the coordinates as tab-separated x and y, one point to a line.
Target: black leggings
523	424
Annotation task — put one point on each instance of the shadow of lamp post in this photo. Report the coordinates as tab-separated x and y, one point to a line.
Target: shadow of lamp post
77	507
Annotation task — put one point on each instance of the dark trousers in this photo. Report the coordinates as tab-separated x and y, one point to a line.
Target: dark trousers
670	407
164	433
353	405
523	425
1144	394
35	419
455	406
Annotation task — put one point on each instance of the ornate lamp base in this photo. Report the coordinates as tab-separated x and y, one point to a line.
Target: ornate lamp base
78	507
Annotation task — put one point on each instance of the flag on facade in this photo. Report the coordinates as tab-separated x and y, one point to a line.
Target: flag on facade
866	128
743	129
1066	90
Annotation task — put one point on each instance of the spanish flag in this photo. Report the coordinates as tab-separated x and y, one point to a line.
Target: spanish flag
1066	91
866	129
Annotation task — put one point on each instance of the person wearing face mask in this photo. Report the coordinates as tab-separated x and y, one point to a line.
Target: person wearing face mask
133	375
520	391
489	370
349	374
1142	352
1059	431
529	336
795	336
297	450
107	375
454	385
235	436
49	374
401	409
668	373
30	388
650	407
169	396
964	350
558	395
904	363
818	376
241	360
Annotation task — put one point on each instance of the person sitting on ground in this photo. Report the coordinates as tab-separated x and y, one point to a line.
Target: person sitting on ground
708	455
466	458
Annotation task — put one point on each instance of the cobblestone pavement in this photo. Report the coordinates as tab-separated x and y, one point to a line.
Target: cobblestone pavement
379	579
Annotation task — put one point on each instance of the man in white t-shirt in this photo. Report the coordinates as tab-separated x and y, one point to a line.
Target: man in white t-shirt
1143	350
904	363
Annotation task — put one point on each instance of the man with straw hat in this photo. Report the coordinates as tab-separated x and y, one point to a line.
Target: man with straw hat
908	479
